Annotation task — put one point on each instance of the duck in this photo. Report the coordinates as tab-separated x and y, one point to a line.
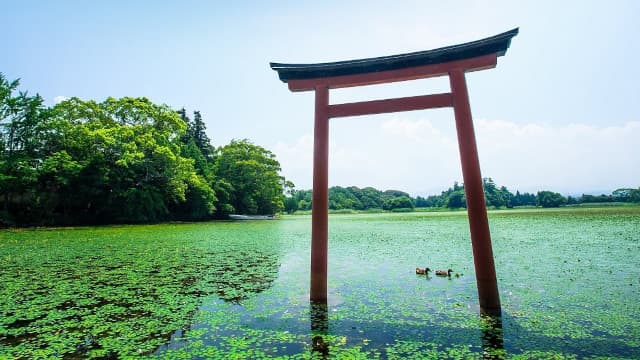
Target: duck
422	271
444	272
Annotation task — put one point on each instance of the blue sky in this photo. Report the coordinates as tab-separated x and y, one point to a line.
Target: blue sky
559	112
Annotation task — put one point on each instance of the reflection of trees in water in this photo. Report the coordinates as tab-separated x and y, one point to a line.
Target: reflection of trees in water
236	276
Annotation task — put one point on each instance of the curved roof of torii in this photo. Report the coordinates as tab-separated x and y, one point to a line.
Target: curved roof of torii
497	44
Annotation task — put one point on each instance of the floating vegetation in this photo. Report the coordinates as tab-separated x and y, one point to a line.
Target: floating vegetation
104	292
568	280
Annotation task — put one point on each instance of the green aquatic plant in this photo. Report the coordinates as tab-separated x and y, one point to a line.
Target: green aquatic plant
117	290
240	290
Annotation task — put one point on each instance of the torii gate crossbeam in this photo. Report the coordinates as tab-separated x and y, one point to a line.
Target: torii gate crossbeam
452	61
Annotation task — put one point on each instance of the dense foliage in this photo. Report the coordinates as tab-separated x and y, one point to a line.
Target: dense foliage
354	198
124	160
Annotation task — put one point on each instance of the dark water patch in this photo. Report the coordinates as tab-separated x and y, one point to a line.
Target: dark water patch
22	323
13	340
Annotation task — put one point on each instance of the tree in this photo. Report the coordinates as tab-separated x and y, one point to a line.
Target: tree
494	197
507	196
457	199
289	197
19	118
622	195
198	133
524	199
150	175
400	202
344	198
115	161
290	204
550	199
304	205
586	198
253	173
421	202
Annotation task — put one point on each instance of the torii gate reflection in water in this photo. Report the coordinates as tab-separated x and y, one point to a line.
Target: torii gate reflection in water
453	61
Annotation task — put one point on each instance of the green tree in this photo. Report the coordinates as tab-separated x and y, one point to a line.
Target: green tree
253	174
622	195
289	197
457	199
422	202
586	198
550	199
115	161
400	202
197	130
507	196
494	197
19	118
524	199
304	205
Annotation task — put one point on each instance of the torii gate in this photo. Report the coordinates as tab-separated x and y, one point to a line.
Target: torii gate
453	61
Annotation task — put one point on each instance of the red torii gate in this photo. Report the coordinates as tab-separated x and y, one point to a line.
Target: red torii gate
453	61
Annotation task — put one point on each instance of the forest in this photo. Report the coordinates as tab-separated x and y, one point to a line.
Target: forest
123	160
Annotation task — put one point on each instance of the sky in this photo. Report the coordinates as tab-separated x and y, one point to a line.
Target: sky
559	112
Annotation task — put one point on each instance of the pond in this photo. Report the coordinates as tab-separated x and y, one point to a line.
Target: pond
568	281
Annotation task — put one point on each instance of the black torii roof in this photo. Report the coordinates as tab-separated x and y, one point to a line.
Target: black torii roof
497	44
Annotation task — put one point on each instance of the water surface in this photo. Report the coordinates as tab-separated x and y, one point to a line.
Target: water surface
568	282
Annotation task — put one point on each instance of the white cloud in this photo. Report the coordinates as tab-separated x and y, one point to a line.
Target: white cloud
296	160
421	156
59	99
567	158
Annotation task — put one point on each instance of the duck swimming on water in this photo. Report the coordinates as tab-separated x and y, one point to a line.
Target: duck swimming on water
422	271
444	272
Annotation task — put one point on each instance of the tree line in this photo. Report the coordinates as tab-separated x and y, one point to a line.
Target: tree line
123	160
351	198
354	198
129	160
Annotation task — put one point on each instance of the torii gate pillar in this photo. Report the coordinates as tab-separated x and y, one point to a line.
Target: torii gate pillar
320	197
453	61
